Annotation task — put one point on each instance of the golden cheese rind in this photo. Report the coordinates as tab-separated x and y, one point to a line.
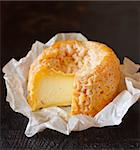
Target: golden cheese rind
94	66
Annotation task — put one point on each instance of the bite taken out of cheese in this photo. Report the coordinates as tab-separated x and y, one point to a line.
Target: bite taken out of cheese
50	88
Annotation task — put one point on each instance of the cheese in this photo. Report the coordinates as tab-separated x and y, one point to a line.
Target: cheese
51	88
84	75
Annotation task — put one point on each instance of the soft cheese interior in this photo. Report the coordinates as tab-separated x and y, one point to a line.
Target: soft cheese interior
53	88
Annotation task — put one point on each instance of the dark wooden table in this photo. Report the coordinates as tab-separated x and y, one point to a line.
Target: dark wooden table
114	23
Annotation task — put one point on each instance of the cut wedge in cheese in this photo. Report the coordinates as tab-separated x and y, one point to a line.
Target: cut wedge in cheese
51	88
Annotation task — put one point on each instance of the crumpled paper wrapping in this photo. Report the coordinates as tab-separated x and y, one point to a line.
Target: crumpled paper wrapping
57	118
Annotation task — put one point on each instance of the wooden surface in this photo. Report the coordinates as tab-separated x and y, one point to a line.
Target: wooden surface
116	24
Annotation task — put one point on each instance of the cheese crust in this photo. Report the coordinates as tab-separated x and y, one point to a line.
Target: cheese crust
94	67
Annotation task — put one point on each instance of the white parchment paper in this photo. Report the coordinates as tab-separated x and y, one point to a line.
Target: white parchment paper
57	118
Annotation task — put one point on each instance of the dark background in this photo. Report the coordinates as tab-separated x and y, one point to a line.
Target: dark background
115	23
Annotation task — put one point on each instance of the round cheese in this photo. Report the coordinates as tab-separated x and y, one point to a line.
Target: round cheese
83	74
